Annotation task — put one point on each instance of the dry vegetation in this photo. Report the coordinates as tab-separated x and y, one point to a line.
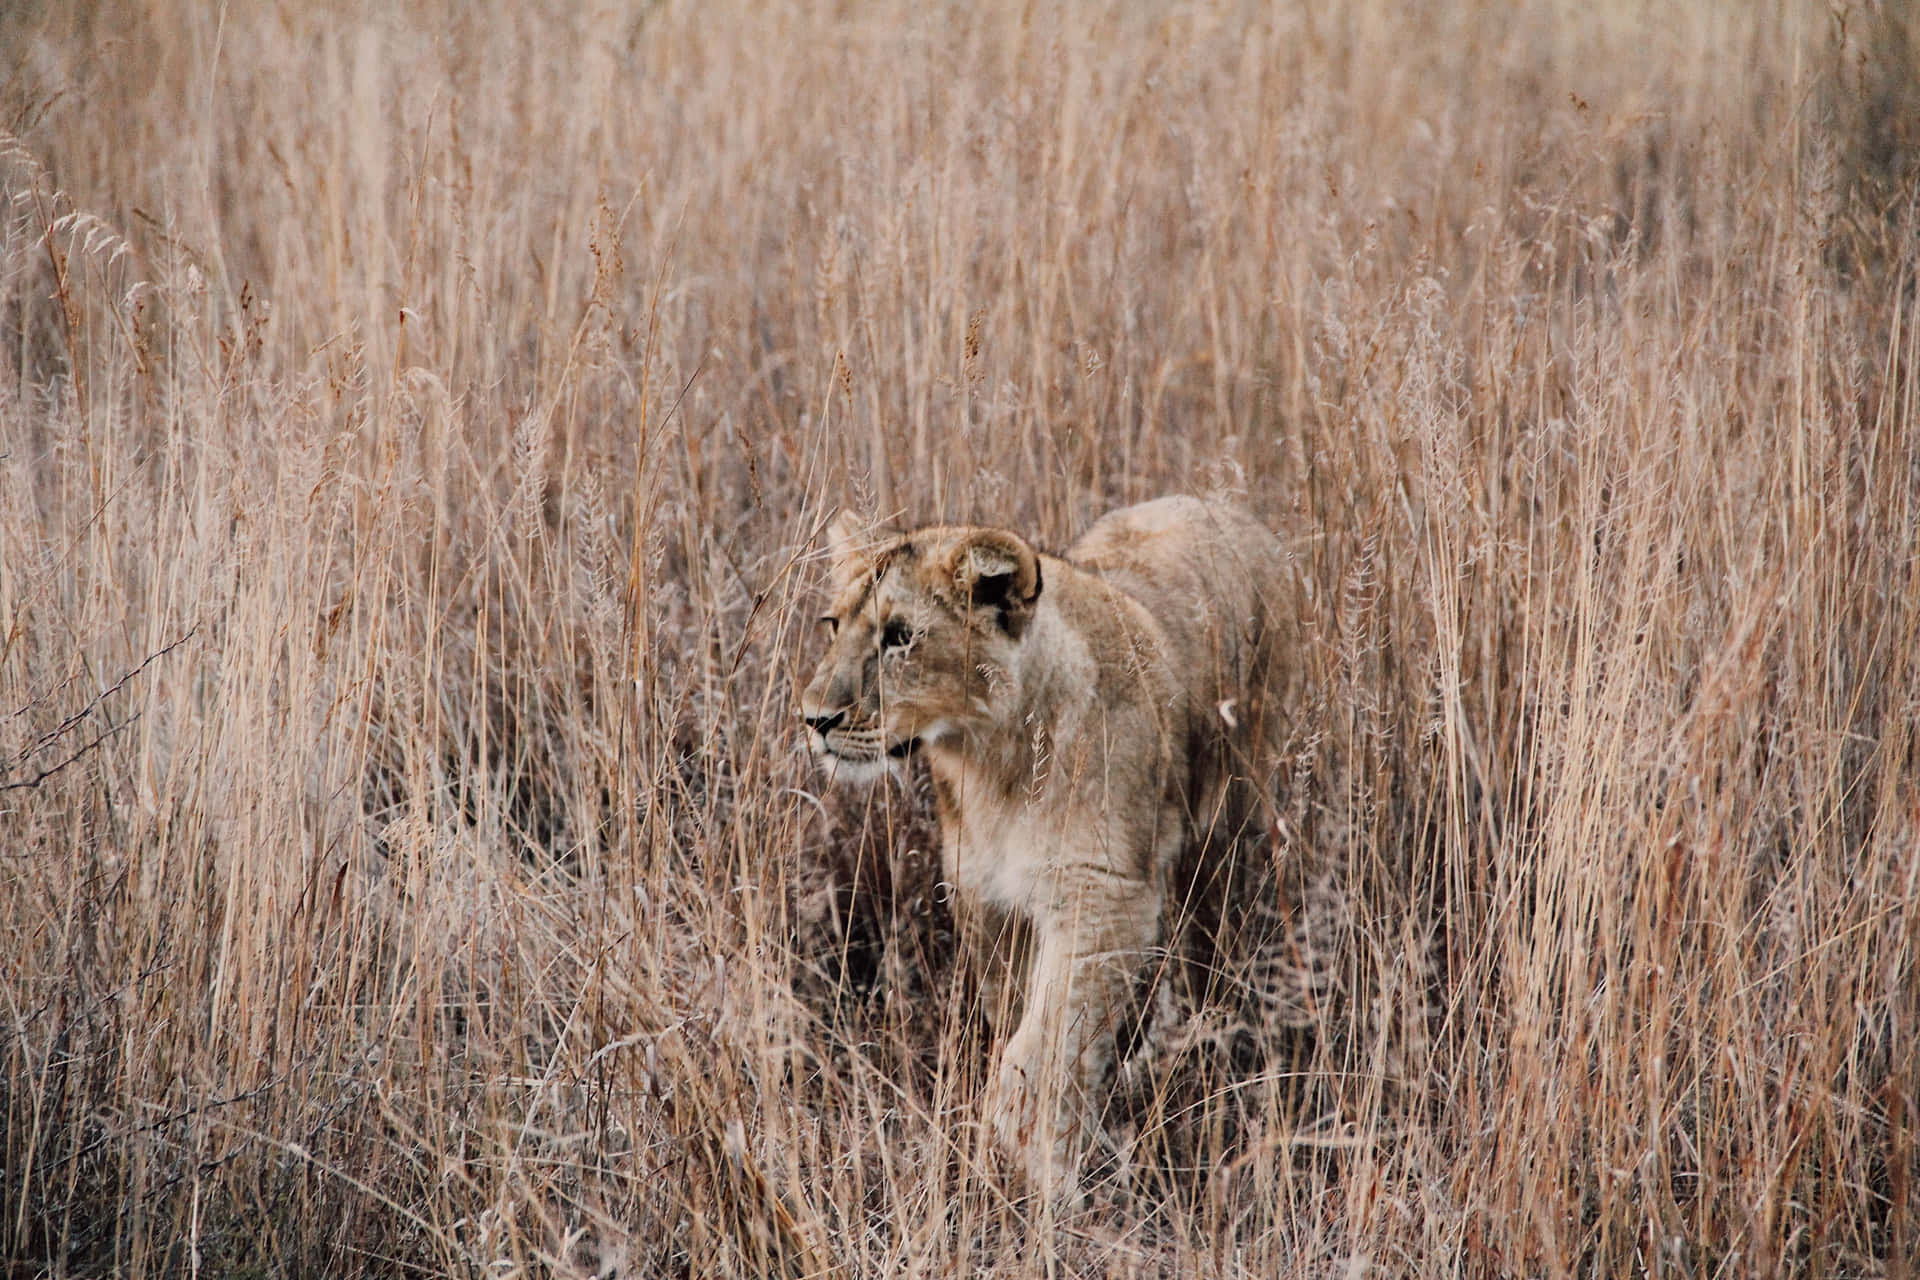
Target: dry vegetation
413	433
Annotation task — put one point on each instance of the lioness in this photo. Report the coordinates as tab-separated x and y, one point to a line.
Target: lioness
1082	717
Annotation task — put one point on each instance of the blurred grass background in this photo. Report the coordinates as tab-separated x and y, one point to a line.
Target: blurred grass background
414	426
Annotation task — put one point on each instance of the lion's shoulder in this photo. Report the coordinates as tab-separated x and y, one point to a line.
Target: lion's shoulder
1179	542
1212	576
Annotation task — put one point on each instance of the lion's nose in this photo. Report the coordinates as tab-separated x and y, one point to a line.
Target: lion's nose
820	724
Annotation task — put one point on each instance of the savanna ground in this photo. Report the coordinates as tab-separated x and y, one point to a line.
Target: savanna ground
415	422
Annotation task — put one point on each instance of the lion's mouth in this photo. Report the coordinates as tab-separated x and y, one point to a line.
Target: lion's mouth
862	747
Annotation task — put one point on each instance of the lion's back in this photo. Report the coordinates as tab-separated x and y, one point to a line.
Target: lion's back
1213	576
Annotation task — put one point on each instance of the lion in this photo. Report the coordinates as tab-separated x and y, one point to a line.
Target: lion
1086	720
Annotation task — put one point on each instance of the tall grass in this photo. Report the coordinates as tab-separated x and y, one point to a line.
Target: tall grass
415	424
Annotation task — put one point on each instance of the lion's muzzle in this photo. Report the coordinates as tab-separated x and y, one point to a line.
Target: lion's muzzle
823	724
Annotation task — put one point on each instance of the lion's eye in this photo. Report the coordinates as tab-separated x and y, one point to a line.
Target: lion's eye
895	635
831	623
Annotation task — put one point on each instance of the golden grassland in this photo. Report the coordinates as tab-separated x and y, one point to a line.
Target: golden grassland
415	426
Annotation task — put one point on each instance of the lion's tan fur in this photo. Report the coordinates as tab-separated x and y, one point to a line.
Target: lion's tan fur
1082	717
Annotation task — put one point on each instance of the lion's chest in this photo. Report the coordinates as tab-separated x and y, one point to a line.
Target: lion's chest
1007	864
1024	859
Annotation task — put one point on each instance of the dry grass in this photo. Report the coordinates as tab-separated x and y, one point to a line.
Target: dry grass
412	434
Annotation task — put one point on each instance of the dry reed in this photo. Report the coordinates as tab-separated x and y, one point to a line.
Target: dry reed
414	429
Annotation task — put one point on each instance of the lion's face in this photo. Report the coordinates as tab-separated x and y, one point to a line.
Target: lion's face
924	626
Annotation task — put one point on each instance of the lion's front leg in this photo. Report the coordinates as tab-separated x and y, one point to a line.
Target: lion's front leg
1080	986
996	944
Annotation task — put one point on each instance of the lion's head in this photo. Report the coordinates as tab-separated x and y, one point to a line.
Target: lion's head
924	627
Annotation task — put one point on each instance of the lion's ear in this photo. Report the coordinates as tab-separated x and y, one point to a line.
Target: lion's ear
849	539
996	570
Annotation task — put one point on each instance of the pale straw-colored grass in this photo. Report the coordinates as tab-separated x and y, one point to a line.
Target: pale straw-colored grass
415	423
